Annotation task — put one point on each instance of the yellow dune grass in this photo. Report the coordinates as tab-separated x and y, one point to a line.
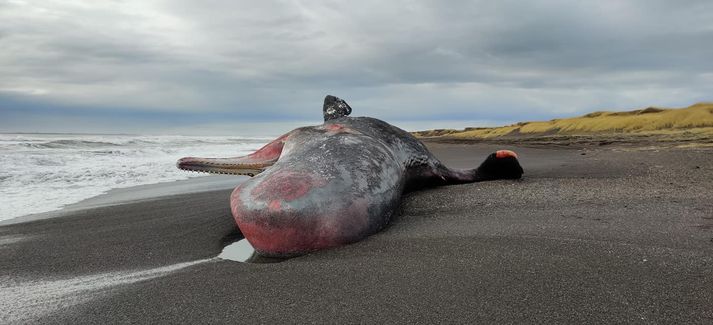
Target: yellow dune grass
697	118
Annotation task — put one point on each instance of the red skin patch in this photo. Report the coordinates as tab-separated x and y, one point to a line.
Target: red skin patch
274	205
505	154
289	233
295	238
285	185
339	128
334	127
270	151
277	230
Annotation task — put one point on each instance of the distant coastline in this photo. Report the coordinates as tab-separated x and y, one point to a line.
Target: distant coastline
691	126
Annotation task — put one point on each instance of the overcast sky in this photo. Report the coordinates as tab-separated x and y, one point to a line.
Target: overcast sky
180	66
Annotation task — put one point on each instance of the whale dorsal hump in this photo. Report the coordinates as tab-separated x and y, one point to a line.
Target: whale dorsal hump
335	107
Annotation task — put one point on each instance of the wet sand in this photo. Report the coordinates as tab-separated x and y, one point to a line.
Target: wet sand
596	235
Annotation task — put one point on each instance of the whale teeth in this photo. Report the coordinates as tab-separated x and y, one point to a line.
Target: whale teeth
222	172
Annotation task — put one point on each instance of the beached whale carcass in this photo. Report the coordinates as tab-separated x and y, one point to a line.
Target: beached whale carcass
323	186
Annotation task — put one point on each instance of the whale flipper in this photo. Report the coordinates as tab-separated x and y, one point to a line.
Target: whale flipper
335	107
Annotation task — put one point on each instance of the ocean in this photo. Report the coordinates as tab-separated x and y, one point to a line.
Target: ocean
44	172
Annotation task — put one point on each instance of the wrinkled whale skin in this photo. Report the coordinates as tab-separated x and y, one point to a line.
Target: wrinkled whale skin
335	183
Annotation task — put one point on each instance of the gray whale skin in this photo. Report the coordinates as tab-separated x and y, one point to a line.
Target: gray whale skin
323	186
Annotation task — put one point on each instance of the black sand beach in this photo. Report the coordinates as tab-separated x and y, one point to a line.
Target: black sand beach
598	234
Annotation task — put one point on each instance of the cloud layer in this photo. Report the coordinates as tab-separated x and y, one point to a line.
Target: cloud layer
172	62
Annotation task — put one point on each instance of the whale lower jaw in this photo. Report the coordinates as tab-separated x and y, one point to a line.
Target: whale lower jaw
220	166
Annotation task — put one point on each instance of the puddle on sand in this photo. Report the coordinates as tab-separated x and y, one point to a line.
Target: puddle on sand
242	251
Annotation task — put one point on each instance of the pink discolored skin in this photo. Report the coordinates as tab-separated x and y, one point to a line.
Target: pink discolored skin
286	185
288	210
282	231
505	154
333	184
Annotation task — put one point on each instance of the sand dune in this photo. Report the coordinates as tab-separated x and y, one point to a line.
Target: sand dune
696	119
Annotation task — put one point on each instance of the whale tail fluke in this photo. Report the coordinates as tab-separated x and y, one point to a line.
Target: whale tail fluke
502	164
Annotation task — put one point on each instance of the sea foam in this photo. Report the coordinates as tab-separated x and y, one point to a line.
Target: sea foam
43	172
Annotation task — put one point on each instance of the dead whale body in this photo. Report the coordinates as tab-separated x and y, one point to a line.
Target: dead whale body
323	186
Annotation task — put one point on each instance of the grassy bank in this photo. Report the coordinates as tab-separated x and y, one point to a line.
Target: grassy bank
695	121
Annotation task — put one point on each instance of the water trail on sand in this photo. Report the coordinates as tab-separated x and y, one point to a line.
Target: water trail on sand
239	251
22	300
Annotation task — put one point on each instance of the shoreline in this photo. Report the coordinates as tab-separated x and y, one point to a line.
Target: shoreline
154	191
588	235
51	171
138	193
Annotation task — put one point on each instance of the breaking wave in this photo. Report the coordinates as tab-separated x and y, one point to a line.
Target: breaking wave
43	172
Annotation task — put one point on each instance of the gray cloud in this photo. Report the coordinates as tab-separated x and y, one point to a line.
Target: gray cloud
401	60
